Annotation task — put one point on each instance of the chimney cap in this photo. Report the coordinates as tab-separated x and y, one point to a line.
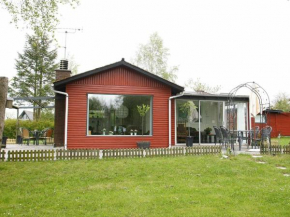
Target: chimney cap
63	64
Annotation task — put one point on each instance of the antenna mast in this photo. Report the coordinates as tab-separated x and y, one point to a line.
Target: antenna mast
67	31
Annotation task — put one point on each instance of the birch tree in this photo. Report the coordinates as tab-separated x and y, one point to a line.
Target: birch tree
153	57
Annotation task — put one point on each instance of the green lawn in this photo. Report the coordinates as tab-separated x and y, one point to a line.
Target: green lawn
282	141
173	186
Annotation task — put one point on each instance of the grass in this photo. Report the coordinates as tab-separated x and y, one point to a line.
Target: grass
281	141
181	186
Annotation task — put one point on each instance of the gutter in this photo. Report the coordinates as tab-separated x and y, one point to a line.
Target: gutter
169	107
66	116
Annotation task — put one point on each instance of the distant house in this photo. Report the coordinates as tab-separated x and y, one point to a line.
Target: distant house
26	116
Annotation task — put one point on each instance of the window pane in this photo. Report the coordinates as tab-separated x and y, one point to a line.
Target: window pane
187	112
211	115
118	115
237	115
260	119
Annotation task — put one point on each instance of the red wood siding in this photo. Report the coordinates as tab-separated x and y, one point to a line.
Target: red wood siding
117	81
280	123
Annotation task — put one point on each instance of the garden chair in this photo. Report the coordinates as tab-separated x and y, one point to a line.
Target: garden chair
47	135
257	128
226	135
264	136
256	137
218	135
24	135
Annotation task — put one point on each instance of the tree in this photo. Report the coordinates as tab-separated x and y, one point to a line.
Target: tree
281	102
47	115
35	71
38	15
72	64
3	98
153	57
197	86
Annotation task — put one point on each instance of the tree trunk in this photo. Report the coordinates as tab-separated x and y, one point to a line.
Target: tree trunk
3	98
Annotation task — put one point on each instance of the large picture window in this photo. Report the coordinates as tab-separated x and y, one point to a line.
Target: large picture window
118	115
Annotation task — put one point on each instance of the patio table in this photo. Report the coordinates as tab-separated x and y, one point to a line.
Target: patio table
36	135
242	135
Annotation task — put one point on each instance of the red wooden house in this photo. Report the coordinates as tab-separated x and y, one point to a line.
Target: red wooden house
101	108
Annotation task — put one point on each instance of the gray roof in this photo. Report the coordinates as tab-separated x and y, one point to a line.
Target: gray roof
28	113
209	96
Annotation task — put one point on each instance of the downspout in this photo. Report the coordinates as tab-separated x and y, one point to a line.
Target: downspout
66	116
169	107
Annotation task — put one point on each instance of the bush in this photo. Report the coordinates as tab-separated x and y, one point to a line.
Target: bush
10	126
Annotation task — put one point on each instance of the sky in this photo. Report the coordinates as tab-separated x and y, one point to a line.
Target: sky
222	42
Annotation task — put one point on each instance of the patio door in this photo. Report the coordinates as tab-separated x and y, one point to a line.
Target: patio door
197	120
211	114
187	124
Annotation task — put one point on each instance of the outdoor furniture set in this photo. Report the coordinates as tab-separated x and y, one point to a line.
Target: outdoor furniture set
26	136
253	137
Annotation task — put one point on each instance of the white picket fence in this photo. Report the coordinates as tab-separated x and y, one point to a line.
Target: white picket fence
75	154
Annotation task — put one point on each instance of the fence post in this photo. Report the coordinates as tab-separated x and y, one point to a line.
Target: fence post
6	155
101	154
54	155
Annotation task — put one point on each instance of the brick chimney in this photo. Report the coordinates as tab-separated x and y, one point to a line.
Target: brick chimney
62	72
59	114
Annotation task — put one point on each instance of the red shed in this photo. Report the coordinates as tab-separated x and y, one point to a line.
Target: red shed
278	120
102	107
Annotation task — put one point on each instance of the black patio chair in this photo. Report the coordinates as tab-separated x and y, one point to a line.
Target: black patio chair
256	138
218	135
228	138
226	135
243	136
257	128
265	135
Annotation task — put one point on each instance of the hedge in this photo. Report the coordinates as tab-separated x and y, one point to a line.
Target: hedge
10	126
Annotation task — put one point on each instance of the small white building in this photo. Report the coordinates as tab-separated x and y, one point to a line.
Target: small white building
26	116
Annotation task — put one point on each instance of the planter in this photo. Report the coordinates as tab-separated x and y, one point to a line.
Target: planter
189	141
143	145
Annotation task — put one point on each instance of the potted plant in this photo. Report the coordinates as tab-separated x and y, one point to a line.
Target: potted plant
142	110
131	132
188	108
104	131
207	133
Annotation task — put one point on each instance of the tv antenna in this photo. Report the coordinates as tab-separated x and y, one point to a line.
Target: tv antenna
68	31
